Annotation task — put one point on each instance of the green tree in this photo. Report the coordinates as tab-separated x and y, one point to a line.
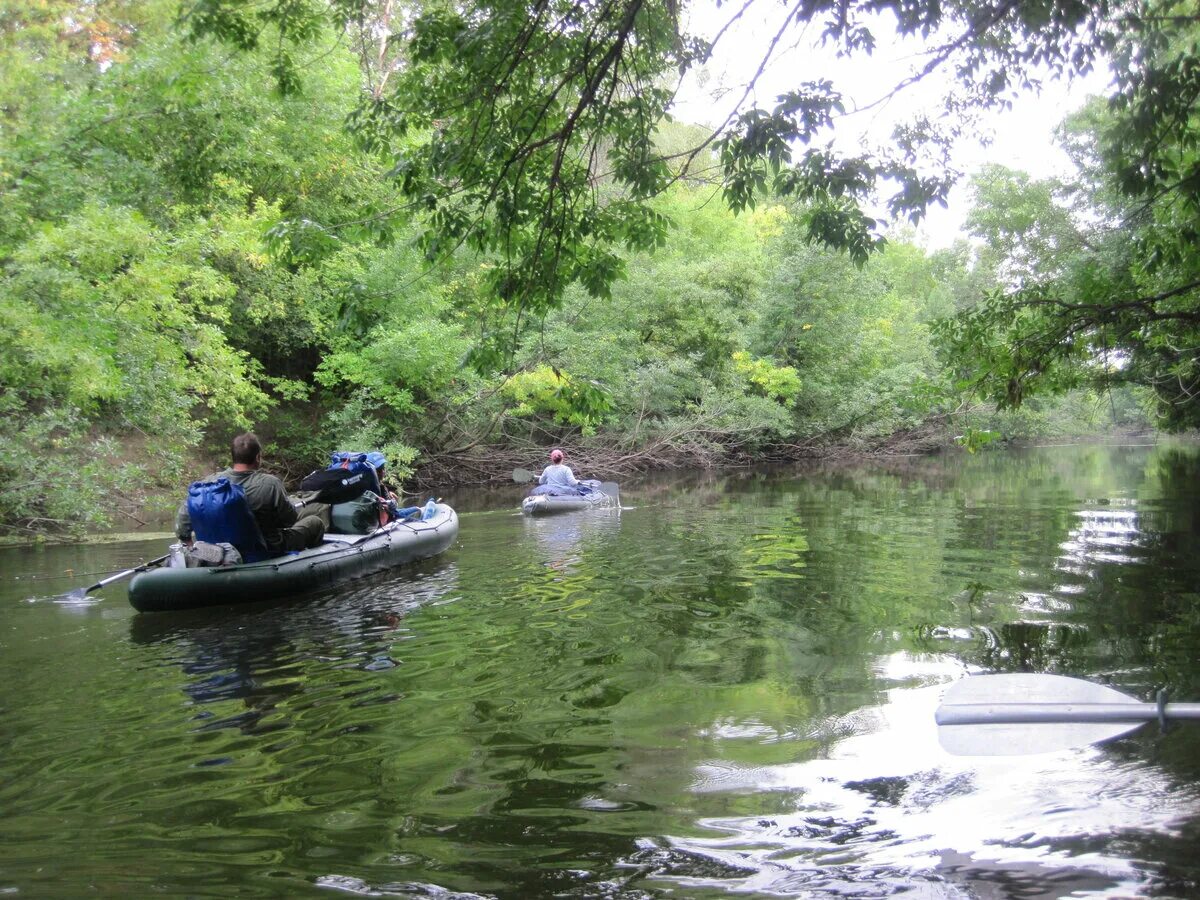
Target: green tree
141	173
857	336
1099	295
107	323
527	112
526	131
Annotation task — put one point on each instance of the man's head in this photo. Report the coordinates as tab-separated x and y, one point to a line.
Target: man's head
247	451
556	456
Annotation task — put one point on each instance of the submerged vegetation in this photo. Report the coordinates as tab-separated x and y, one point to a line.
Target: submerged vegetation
277	215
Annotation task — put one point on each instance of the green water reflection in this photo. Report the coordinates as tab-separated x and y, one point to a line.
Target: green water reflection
728	687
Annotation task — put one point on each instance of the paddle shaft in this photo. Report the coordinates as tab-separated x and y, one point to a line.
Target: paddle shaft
111	578
1041	713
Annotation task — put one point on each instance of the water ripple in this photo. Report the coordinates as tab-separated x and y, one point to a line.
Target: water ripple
724	691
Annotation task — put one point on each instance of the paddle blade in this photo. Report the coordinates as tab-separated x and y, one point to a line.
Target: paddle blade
81	593
522	476
1025	687
610	489
1024	692
1025	739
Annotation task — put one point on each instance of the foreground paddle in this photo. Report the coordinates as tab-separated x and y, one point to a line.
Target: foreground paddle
522	476
81	593
1003	715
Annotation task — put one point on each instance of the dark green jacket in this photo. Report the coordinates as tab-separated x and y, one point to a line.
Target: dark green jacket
265	496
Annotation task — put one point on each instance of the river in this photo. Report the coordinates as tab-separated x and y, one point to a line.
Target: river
724	690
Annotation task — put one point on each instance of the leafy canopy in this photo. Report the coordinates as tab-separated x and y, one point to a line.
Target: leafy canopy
525	130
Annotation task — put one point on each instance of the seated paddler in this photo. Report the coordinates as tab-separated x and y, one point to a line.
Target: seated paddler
557	478
389	493
387	490
216	509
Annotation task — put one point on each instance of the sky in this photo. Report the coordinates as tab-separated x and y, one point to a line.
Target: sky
1021	138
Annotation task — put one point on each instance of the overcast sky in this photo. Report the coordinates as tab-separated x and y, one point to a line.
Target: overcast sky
1021	138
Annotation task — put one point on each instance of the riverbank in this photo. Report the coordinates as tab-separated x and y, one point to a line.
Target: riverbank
614	458
153	509
494	465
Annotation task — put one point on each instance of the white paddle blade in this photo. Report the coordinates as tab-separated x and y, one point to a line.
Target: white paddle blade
1023	687
610	489
1021	694
521	476
1027	738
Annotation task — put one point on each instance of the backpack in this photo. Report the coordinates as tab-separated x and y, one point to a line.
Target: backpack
220	514
335	485
355	462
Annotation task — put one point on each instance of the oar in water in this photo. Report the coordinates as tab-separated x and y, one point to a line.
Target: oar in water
610	489
81	593
1003	715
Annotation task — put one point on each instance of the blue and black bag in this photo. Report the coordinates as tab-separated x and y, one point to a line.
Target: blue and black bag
346	478
220	515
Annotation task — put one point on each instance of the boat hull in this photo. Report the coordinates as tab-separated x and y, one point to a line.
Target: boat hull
341	558
545	505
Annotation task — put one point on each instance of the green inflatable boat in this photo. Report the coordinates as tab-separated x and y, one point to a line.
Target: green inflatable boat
340	557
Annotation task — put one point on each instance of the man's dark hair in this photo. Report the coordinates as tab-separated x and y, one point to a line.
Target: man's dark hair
246	448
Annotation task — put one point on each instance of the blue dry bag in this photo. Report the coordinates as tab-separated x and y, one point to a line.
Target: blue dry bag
220	514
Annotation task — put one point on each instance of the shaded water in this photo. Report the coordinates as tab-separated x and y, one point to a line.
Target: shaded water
726	690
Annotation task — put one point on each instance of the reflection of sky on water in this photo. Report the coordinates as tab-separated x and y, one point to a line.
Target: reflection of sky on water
561	539
1102	535
887	807
1102	538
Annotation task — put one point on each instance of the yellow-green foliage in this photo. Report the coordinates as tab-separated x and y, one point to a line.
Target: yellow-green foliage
780	383
546	392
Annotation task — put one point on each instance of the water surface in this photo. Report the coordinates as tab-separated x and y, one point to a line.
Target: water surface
725	690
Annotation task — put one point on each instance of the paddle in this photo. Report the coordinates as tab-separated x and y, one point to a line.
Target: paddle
610	489
521	476
81	593
1003	715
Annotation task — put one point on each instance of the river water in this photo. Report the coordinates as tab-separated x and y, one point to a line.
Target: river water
725	689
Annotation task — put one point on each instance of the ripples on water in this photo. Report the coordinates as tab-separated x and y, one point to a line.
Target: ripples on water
727	690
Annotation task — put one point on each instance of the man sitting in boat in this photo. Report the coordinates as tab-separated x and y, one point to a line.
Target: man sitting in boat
557	479
284	527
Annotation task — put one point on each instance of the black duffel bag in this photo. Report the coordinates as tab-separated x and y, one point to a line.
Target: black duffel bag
335	485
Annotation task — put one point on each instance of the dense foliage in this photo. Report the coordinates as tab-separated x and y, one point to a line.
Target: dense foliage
528	112
320	224
1100	278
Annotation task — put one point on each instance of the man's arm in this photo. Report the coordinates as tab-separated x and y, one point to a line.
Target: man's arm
284	511
183	523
